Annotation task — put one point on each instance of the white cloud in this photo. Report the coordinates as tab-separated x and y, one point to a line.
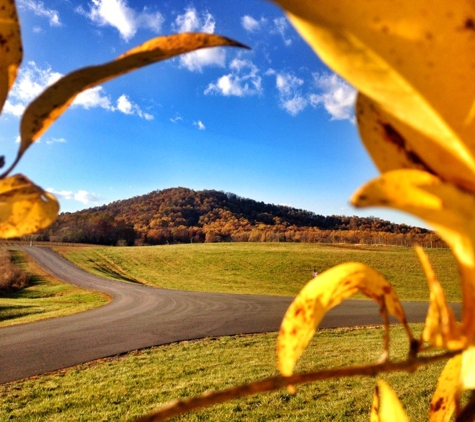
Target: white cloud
118	14
92	98
294	105
287	84
199	124
192	21
280	26
290	96
63	194
55	141
176	119
152	21
96	97
125	106
244	80
196	60
86	197
337	96
39	9
250	24
13	109
81	196
31	81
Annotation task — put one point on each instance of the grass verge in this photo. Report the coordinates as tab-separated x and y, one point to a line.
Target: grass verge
261	268
123	388
46	297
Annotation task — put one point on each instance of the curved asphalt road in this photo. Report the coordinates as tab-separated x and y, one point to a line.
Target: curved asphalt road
141	316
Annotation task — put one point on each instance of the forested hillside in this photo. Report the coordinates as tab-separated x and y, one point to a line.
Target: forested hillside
180	215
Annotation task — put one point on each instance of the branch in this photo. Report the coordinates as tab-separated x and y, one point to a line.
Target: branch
179	407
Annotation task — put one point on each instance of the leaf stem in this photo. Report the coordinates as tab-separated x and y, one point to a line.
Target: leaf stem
8	171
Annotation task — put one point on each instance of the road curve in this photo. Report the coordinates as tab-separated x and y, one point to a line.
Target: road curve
141	316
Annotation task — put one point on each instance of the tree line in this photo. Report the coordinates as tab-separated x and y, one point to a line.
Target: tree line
181	215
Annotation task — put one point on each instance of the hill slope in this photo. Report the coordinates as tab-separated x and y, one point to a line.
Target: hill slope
182	215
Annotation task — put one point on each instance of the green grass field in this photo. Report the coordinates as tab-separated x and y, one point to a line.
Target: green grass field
120	389
46	297
261	268
123	388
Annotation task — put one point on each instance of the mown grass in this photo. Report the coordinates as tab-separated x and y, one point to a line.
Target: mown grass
46	297
123	388
261	268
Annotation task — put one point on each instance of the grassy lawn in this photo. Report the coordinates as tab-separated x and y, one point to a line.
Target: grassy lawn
261	268
46	297
120	389
123	388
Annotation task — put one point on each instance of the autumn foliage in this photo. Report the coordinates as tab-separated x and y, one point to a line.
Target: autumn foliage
180	215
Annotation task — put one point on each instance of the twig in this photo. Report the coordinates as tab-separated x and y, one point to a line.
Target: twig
383	310
179	407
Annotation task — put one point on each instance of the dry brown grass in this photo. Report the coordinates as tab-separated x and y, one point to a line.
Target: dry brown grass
11	277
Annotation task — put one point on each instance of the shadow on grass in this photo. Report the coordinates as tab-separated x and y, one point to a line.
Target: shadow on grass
17	311
29	291
37	288
108	272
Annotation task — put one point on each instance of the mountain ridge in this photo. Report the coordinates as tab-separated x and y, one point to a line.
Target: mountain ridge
183	215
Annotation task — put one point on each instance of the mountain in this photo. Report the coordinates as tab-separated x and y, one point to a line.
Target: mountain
181	215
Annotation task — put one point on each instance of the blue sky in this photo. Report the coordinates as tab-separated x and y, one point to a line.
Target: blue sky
272	123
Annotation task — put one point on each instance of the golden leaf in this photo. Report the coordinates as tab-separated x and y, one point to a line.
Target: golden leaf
319	296
467	371
440	328
395	145
412	58
11	51
386	405
45	109
24	207
448	209
444	400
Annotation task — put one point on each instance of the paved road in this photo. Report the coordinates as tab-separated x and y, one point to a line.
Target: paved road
141	316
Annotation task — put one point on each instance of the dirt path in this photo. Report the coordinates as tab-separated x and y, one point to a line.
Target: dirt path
141	316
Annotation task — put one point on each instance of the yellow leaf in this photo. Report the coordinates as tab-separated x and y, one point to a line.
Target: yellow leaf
11	51
24	207
444	400
448	209
467	371
412	58
45	109
319	296
374	417
395	145
440	328
386	405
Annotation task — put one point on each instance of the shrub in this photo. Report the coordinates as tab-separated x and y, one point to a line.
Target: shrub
11	277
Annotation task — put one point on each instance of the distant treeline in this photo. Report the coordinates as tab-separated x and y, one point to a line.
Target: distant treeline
180	215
